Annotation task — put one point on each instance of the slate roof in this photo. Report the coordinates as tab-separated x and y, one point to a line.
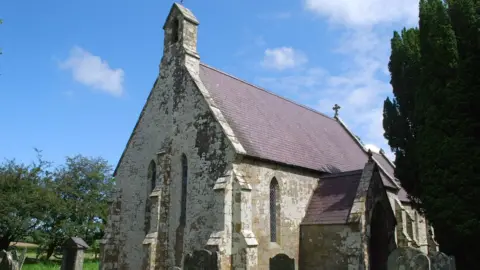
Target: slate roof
385	164
387	174
332	201
273	128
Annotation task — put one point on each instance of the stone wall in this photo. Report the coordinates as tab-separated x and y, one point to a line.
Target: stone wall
176	120
295	189
412	227
330	247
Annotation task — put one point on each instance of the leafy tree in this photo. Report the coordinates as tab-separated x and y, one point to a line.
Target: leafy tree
22	196
80	205
433	122
50	205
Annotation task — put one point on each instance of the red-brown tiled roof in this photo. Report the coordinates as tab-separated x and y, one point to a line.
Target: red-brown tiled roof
333	199
274	128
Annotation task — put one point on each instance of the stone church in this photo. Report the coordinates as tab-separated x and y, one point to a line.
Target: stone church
221	174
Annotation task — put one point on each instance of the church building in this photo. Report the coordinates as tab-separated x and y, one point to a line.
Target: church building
221	174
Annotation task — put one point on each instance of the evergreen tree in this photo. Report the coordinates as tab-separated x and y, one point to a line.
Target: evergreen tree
433	122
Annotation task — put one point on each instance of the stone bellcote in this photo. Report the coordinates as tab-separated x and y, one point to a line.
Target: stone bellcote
180	31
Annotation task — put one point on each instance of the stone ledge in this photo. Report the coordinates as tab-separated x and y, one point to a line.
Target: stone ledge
250	238
221	183
215	238
150	238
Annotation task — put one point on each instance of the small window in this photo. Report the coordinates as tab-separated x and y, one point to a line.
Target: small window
175	30
274	210
183	204
152	175
151	183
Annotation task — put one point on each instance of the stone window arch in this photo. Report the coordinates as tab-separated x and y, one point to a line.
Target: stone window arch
183	202
151	183
152	176
274	210
175	30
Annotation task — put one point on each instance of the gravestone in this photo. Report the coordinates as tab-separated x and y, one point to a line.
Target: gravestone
7	262
409	258
441	261
201	260
282	262
73	253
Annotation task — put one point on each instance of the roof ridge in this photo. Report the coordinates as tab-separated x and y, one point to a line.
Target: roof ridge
267	91
385	157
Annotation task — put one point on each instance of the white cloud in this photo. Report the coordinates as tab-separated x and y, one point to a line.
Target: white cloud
364	43
359	89
94	72
283	58
373	148
365	12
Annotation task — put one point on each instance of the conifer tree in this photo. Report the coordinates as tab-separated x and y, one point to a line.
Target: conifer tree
433	122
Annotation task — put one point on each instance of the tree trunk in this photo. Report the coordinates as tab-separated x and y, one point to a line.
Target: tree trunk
50	250
5	242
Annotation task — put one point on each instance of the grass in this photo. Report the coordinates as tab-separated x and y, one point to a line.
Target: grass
31	263
87	265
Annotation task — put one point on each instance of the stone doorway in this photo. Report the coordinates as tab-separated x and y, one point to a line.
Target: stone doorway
379	239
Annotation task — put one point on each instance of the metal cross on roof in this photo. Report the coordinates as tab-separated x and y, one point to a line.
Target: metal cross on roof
336	108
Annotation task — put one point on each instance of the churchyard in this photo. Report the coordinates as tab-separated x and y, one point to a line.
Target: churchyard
32	263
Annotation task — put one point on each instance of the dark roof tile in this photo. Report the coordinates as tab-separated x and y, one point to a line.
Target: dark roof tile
333	199
389	175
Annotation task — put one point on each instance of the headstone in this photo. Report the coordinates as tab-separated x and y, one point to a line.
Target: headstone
7	262
441	261
73	253
282	262
408	259
201	260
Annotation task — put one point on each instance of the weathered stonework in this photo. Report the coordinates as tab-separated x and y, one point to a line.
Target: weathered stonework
177	120
330	247
228	193
295	189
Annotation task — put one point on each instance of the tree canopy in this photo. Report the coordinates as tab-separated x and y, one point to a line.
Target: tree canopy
433	121
51	204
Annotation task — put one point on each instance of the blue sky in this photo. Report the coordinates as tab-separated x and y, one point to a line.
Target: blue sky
75	74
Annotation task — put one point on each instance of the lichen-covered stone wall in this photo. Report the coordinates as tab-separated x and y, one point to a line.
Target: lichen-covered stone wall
295	188
412	227
330	247
176	120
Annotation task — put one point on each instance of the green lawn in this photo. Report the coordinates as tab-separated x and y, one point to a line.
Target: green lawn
56	266
54	263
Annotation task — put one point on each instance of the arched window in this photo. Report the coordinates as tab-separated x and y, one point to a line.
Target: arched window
152	181
274	210
152	176
183	204
175	30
